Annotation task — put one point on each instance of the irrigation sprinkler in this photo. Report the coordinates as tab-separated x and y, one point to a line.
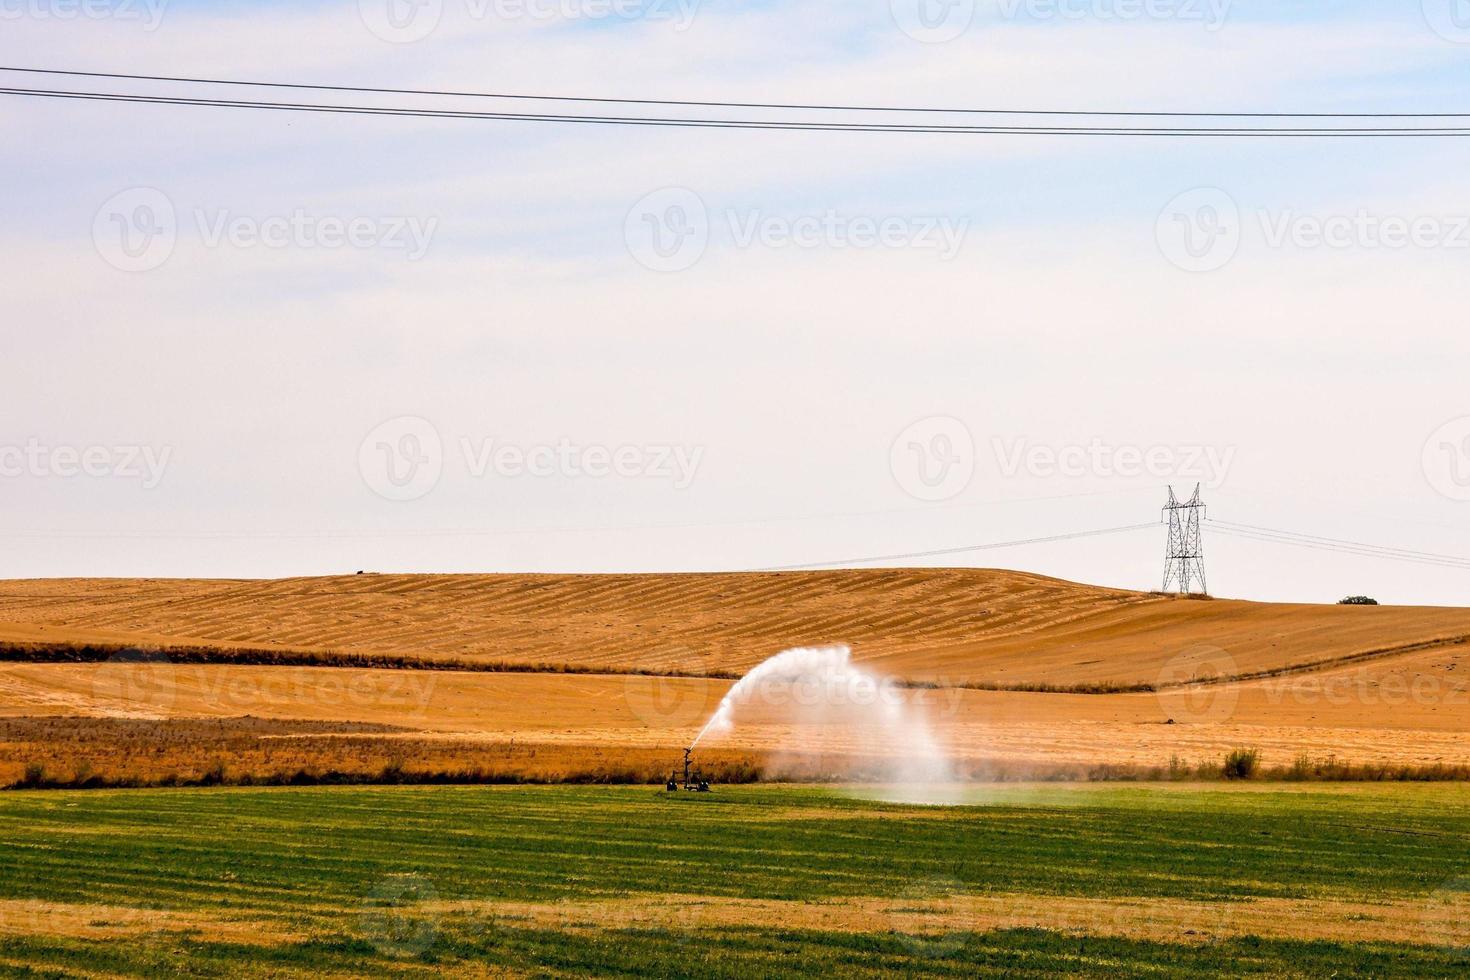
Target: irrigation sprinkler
693	780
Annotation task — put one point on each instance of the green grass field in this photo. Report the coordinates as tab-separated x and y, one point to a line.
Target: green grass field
413	881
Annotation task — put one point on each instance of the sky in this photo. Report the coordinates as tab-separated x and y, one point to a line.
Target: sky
248	343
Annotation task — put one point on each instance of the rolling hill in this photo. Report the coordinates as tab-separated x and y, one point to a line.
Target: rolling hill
970	627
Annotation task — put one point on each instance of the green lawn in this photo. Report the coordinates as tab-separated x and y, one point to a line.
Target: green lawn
347	869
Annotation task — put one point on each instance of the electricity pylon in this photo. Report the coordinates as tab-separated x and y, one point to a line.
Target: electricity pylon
1185	559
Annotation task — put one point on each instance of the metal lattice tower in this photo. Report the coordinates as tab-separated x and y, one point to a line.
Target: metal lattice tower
1185	559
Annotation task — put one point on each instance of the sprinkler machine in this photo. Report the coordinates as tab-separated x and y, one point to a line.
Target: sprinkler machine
692	781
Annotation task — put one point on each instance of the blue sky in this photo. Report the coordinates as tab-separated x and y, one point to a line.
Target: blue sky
533	316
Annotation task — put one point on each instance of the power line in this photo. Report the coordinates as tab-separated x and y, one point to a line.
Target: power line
1338	546
751	124
961	550
1338	541
1298	543
1374	515
812	107
460	532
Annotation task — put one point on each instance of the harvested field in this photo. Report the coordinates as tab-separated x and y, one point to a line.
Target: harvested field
46	752
953	626
1112	682
1381	713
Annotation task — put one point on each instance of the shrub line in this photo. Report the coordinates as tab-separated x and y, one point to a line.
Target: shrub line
1238	765
51	653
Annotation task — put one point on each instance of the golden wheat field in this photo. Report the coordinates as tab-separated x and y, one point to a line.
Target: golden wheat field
586	677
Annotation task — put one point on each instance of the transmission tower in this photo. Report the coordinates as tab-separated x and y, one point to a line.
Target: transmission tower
1185	559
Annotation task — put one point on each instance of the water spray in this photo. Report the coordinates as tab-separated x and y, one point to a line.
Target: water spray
787	667
821	687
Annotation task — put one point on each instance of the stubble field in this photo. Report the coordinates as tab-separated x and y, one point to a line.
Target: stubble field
607	678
